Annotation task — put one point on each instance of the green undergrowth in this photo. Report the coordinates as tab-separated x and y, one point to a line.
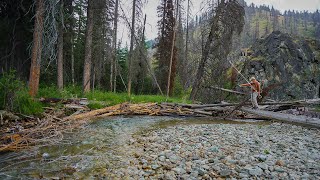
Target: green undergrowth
14	96
99	98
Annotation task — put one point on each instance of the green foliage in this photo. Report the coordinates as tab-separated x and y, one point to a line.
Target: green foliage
26	105
53	92
8	87
14	96
95	105
110	98
178	90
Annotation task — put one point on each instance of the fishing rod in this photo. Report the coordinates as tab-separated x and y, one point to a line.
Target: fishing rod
242	75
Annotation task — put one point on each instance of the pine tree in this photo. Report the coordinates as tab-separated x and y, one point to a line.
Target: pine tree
165	40
88	48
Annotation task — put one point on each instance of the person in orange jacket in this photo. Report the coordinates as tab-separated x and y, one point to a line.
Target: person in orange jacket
255	89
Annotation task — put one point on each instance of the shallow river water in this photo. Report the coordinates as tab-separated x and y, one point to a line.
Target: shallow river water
92	152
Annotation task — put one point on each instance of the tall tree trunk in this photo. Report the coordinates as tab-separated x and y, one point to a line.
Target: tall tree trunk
72	60
140	74
88	48
131	46
36	50
185	65
60	49
114	63
203	61
173	53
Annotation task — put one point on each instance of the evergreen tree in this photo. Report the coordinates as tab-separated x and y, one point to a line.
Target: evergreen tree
165	40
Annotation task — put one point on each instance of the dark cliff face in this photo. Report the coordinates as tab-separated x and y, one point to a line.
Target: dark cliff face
289	67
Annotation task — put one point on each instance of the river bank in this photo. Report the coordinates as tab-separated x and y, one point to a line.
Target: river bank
208	151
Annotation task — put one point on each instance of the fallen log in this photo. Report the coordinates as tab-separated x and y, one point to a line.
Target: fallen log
94	113
315	122
228	90
298	102
203	112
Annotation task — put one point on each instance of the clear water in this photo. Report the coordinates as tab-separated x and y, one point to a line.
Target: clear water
91	152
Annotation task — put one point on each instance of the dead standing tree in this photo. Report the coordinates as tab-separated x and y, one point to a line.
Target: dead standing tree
227	19
36	50
60	48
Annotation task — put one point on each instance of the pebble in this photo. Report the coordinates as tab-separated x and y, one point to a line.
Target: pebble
255	171
45	156
263	166
225	172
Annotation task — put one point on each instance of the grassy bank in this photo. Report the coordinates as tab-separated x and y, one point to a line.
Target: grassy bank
14	96
99	98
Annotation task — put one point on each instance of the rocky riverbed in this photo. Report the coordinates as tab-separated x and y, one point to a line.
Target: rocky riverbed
143	147
231	151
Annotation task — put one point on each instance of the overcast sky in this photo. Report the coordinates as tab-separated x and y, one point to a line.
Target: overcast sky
151	10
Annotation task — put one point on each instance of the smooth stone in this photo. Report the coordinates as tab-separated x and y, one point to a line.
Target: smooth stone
179	170
278	169
214	149
243	175
162	158
263	166
261	157
216	168
201	172
45	155
225	172
155	166
205	167
242	162
255	171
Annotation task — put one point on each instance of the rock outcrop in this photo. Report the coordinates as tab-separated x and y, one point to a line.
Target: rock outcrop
290	67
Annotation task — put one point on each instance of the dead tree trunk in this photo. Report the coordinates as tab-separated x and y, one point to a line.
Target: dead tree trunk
131	46
88	48
203	61
60	49
72	60
115	23
36	50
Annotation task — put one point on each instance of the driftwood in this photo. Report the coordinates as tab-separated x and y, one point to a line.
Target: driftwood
151	109
284	117
237	107
298	102
228	90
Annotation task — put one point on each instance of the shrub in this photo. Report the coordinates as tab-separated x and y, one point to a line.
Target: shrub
14	96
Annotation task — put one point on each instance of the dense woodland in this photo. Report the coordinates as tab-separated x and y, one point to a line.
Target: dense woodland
64	43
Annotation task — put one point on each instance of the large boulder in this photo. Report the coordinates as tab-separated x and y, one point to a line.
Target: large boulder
290	67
